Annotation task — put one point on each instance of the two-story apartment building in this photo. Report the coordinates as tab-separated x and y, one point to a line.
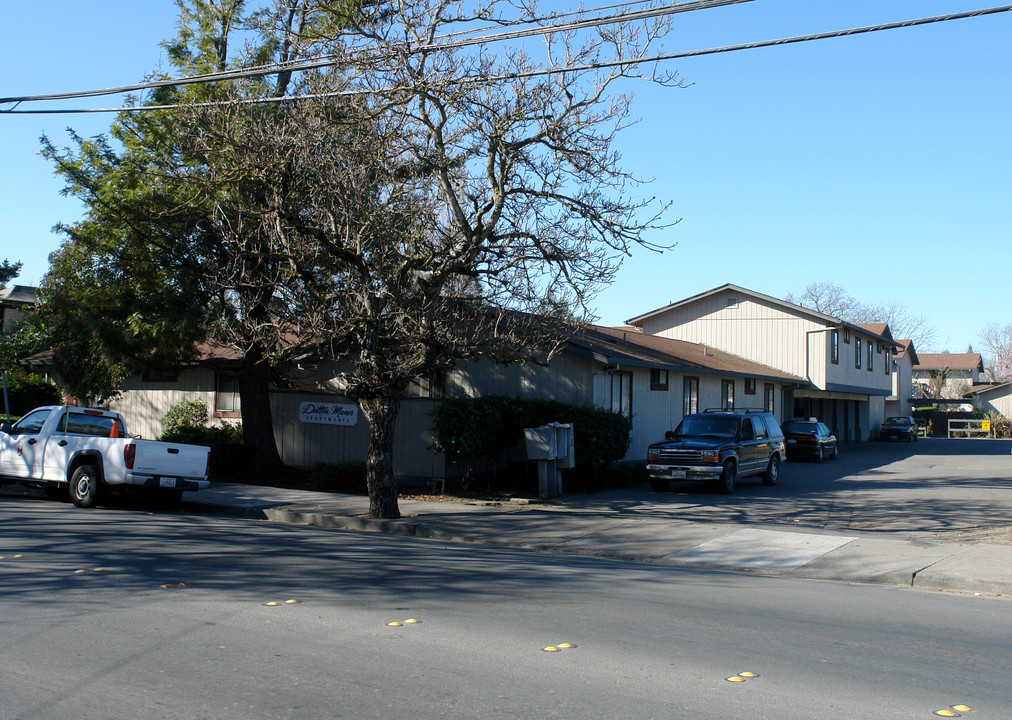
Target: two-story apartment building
846	368
947	376
13	301
899	401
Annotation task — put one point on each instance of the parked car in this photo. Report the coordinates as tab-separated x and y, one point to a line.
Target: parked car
899	427
79	453
719	446
810	438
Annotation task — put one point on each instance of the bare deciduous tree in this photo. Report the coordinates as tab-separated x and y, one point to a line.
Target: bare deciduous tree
997	353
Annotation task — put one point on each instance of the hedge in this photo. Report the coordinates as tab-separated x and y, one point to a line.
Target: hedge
26	391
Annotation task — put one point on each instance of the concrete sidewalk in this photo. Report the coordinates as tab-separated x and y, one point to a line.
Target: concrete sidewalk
573	525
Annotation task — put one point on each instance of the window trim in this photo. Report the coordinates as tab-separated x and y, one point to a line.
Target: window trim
857	353
655	379
750	382
622	376
726	385
690	404
769	396
834	347
871	357
236	412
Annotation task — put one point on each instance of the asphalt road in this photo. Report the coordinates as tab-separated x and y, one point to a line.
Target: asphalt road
90	630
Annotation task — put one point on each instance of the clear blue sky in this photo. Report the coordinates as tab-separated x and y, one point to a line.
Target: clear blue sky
879	162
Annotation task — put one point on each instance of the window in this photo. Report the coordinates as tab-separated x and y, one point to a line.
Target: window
31	424
432	385
857	353
226	394
770	394
96	425
621	393
888	361
750	386
727	394
659	380
878	348
846	335
834	347
870	356
690	395
747	433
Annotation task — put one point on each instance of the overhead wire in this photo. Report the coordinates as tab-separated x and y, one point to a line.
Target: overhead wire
327	61
664	57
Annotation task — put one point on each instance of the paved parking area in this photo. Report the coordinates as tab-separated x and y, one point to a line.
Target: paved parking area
931	486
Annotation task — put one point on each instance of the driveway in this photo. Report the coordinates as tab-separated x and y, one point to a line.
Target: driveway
931	486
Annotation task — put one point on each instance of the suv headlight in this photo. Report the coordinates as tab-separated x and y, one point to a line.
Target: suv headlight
710	456
652	456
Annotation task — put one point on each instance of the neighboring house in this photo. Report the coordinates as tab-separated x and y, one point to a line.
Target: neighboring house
900	402
845	368
946	375
996	397
13	302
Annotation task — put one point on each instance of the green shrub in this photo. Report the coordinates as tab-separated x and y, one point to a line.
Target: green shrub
346	477
26	391
467	429
187	414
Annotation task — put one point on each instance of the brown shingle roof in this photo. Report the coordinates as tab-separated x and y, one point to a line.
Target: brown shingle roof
619	345
952	361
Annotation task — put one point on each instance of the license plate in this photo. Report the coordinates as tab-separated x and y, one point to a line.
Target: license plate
166	482
677	474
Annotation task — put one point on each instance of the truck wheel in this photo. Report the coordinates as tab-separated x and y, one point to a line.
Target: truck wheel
819	455
84	486
728	477
658	485
772	474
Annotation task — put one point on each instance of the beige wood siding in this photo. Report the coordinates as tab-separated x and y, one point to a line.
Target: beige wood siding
144	404
876	381
752	329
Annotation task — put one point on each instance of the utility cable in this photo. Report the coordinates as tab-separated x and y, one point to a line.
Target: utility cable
576	68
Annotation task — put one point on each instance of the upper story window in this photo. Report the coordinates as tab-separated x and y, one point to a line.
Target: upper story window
834	347
857	352
659	379
870	356
750	386
888	361
846	335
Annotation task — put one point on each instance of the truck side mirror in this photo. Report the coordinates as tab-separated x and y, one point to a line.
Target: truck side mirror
5	428
669	435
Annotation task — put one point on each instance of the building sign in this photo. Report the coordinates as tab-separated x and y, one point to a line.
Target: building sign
321	413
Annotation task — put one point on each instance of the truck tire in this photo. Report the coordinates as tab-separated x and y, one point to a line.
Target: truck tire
772	474
85	486
728	477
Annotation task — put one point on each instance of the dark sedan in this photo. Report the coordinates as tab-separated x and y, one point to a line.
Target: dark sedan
900	427
810	438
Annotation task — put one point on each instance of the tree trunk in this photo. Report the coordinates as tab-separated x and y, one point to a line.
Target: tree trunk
382	415
257	420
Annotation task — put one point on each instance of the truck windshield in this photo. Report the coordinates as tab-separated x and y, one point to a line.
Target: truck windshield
695	426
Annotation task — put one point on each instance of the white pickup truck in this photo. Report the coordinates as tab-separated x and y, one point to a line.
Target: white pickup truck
89	451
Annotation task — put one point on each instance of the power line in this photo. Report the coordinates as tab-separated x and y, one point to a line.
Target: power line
328	61
576	68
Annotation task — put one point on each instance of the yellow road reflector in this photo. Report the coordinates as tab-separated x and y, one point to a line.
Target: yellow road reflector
962	708
947	713
411	621
395	624
98	569
272	603
566	646
3	557
550	648
185	584
747	674
80	572
291	601
736	679
168	585
18	557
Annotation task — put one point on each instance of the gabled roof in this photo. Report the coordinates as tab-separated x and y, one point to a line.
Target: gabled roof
988	387
951	361
906	348
19	295
879	330
632	348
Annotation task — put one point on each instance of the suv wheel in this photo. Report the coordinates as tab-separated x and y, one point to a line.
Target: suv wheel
728	477
772	473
